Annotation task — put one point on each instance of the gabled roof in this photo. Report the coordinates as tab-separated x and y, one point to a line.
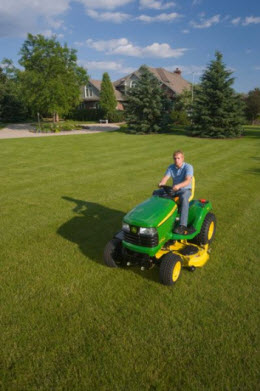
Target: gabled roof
173	80
97	85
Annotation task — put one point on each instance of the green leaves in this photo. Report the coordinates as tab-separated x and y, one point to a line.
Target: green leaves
51	78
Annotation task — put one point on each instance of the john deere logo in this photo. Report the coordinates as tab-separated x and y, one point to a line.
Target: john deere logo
133	230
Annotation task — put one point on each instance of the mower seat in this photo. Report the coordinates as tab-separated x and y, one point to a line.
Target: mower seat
177	199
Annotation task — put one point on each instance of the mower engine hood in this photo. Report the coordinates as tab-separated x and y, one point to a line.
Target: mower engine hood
151	212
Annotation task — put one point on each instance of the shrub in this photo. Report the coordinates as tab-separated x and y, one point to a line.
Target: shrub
116	116
86	115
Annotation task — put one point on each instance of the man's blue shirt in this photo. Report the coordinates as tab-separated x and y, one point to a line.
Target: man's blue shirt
179	175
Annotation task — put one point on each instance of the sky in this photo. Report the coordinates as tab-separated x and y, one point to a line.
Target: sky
118	36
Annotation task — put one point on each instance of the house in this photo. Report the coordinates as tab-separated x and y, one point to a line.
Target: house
91	95
171	82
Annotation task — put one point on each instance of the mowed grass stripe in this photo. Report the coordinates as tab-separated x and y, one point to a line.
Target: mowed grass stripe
68	322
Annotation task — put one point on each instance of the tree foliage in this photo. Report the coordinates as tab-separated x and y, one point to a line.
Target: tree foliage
180	115
252	102
12	104
51	78
217	110
147	108
108	100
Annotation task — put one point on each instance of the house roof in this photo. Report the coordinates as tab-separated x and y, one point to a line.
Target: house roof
173	80
97	85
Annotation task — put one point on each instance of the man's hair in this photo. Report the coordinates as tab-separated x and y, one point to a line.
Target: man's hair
178	152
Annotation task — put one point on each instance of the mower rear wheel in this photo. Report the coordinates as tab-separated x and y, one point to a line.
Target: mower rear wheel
207	231
170	268
113	253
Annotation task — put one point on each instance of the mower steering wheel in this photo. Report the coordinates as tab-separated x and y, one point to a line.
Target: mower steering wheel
168	190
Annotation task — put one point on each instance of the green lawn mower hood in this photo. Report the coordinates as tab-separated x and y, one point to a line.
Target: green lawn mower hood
151	212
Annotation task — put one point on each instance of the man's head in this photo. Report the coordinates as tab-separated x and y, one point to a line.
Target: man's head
178	157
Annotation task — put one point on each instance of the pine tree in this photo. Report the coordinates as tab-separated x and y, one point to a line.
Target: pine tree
108	101
217	110
147	106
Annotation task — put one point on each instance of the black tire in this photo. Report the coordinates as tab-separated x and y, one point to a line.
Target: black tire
170	268
207	231
113	253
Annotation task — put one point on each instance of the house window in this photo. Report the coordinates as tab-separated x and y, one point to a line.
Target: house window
132	83
88	92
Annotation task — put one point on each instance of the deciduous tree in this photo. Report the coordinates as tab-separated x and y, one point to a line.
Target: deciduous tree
253	104
51	78
12	104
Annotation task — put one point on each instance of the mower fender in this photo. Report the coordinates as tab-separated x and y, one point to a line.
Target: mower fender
197	214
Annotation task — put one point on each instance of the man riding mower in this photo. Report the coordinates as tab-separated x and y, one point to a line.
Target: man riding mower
150	235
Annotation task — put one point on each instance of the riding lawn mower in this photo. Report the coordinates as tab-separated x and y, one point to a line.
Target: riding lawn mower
147	236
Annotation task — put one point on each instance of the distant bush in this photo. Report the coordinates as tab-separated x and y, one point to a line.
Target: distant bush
86	115
51	127
95	115
116	116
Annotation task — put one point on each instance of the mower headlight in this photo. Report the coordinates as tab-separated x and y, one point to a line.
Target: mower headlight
126	227
148	231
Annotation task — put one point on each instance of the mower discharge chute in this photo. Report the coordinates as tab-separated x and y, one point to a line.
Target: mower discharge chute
147	237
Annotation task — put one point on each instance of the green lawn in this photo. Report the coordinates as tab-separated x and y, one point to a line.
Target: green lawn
67	322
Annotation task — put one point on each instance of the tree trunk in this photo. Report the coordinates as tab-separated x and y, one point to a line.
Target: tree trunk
56	117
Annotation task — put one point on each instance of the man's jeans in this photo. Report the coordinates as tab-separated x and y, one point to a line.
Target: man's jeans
184	204
184	195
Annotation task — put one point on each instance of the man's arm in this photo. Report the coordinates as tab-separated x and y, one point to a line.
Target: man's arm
187	181
164	180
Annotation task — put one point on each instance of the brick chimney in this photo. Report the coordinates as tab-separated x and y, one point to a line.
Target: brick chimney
177	71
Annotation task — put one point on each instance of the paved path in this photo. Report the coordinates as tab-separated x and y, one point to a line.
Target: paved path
26	130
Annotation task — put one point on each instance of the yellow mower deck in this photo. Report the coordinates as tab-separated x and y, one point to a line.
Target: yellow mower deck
196	260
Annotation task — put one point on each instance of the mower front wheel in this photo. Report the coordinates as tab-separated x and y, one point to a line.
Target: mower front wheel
113	253
170	268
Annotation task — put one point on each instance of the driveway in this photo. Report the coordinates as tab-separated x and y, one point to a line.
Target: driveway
26	130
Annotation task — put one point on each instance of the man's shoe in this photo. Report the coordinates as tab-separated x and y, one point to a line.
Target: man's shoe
180	230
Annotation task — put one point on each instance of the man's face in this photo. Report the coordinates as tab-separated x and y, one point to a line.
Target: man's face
178	160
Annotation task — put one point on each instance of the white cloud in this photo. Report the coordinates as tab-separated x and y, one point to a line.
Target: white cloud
115	17
104	4
197	70
124	47
185	31
19	17
236	21
159	18
248	20
111	66
257	68
156	4
251	20
196	2
206	23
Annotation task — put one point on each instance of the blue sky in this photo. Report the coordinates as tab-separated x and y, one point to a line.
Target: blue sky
117	36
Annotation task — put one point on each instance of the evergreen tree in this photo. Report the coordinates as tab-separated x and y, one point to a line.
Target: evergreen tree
51	78
217	110
108	101
147	106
